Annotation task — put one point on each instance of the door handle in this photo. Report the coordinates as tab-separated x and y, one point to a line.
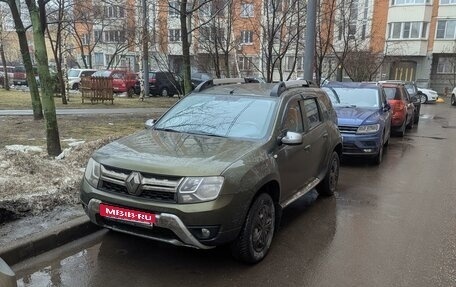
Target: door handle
307	148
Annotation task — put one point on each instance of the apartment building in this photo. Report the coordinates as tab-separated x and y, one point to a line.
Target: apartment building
415	39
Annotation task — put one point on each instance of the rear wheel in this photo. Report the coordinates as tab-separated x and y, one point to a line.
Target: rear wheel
255	238
328	185
75	86
164	92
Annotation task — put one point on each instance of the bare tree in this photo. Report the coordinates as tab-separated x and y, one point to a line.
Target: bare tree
3	36
27	60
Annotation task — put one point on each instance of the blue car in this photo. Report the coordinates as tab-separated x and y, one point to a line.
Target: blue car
364	117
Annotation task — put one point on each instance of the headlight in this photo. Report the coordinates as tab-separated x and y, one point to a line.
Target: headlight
368	129
200	189
92	172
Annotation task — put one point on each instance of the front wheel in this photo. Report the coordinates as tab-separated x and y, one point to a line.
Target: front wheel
328	185
164	92
255	238
423	99
453	100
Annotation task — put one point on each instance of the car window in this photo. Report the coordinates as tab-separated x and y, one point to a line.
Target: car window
293	119
393	93
73	73
312	113
86	73
217	115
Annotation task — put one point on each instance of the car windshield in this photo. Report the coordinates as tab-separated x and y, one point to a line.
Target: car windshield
73	73
353	97
224	116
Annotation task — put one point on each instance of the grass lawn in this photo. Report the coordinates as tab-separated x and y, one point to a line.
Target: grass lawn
24	130
20	99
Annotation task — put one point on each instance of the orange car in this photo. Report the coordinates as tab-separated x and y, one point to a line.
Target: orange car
401	105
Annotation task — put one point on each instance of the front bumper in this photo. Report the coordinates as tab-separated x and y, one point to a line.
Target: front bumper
163	220
177	224
361	145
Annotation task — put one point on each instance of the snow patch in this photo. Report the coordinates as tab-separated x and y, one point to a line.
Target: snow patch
24	148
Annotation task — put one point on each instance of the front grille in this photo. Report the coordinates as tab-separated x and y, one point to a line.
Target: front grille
154	187
348	129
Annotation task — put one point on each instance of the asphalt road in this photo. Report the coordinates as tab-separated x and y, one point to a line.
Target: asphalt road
391	225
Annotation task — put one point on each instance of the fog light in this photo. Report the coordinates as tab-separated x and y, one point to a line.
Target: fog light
367	150
205	233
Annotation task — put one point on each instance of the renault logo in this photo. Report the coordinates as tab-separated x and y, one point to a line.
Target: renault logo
133	183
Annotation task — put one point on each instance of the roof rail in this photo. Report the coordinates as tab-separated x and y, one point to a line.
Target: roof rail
278	89
219	82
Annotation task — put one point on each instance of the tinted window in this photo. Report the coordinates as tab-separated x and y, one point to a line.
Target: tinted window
227	116
393	93
312	112
73	73
293	120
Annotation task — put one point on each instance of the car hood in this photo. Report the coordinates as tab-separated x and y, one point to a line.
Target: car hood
355	116
171	153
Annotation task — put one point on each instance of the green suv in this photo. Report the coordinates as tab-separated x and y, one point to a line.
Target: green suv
218	167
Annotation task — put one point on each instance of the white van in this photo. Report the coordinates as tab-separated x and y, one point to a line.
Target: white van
74	77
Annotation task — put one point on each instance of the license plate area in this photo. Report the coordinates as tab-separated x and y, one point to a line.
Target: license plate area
127	214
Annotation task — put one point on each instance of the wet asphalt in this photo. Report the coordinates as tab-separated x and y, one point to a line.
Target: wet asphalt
388	225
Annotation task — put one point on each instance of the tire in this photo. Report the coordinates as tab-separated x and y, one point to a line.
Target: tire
453	100
401	132
379	157
75	86
328	185
423	99
252	244
410	124
164	92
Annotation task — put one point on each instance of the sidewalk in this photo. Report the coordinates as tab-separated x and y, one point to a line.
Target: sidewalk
87	111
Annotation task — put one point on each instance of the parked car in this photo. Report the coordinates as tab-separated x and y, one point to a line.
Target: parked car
402	107
161	83
453	97
74	77
9	71
428	96
218	167
122	81
199	77
364	117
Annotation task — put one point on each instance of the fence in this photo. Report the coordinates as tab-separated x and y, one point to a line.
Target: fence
96	89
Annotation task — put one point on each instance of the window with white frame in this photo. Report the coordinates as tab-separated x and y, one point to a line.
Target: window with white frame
175	35
446	65
85	39
407	30
173	9
443	2
114	36
247	10
114	11
98	36
98	59
245	63
410	2
294	61
446	29
246	37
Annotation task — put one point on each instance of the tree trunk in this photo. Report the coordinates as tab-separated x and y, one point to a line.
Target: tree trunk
185	47
5	74
34	92
52	131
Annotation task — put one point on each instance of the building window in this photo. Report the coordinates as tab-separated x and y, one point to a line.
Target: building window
173	9
272	6
446	65
98	36
246	37
447	2
446	29
294	61
246	10
245	63
212	34
114	11
407	30
98	59
175	35
410	2
114	36
85	39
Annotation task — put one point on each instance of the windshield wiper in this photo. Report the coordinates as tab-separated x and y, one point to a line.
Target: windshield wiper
204	133
166	129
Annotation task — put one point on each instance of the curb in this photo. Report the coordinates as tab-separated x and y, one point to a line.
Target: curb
47	240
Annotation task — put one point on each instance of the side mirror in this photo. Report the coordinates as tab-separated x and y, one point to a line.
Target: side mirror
149	124
292	138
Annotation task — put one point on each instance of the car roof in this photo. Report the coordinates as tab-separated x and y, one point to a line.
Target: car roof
351	85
